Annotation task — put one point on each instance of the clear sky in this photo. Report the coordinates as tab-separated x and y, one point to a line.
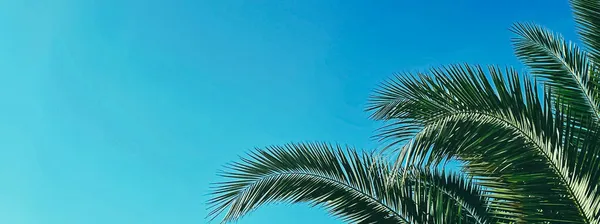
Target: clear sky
121	111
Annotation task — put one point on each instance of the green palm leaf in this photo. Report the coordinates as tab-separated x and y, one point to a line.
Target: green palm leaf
587	17
564	66
353	186
502	130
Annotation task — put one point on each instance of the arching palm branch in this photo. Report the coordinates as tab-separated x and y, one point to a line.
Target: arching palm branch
519	144
529	146
355	186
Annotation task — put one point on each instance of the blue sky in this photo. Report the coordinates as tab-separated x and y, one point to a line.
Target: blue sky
121	111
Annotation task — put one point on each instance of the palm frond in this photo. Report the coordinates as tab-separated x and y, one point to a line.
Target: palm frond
587	17
353	186
562	65
502	129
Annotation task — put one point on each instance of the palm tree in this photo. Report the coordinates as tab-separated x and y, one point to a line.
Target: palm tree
528	146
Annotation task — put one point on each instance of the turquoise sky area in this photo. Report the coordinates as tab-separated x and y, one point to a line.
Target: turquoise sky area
122	111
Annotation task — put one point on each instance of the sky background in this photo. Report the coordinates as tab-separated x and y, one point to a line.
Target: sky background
122	111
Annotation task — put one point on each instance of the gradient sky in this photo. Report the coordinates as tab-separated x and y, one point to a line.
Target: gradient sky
122	111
